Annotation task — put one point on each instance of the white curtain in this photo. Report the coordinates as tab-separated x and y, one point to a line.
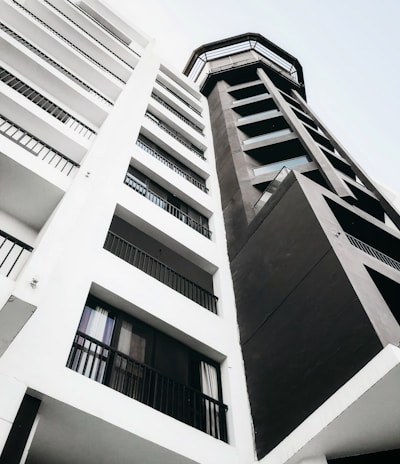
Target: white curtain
209	380
97	324
209	386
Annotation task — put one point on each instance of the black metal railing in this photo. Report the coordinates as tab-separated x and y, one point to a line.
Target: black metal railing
68	42
118	371
38	148
175	134
45	104
87	33
160	271
56	65
373	252
168	207
156	154
178	97
177	113
13	254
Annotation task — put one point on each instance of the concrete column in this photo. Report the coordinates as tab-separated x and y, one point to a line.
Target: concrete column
20	437
11	395
388	206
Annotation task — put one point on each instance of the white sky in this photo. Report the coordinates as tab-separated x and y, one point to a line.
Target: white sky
349	50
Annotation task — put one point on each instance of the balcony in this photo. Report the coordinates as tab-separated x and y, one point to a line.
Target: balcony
178	97
13	255
45	104
37	148
175	134
278	165
134	183
252	98
367	234
177	113
55	65
107	27
254	105
373	252
90	35
68	42
142	362
267	137
147	263
158	153
93	359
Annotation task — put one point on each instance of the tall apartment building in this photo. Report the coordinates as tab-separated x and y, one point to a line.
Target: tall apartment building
315	258
145	216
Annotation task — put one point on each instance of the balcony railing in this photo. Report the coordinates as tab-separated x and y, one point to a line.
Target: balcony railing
122	42
176	135
131	182
13	254
373	252
68	42
151	151
86	32
151	266
178	97
267	52
46	104
271	188
38	148
118	371
56	65
176	113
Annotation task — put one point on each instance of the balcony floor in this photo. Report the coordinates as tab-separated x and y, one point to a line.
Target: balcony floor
65	435
25	195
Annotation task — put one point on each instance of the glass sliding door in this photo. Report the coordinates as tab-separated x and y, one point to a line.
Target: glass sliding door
128	373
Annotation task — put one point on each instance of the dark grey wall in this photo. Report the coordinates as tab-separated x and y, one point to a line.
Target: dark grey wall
385	457
303	330
228	149
304	333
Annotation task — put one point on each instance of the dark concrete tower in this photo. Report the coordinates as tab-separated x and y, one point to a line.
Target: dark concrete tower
313	244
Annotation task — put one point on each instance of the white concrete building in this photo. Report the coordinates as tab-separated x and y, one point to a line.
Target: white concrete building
118	330
122	249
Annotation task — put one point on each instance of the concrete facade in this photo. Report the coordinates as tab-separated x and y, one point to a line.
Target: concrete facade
192	269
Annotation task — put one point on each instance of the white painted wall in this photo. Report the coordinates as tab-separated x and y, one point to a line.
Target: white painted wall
69	260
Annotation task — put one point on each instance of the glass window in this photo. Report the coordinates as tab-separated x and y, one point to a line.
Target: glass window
288	163
97	323
131	343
